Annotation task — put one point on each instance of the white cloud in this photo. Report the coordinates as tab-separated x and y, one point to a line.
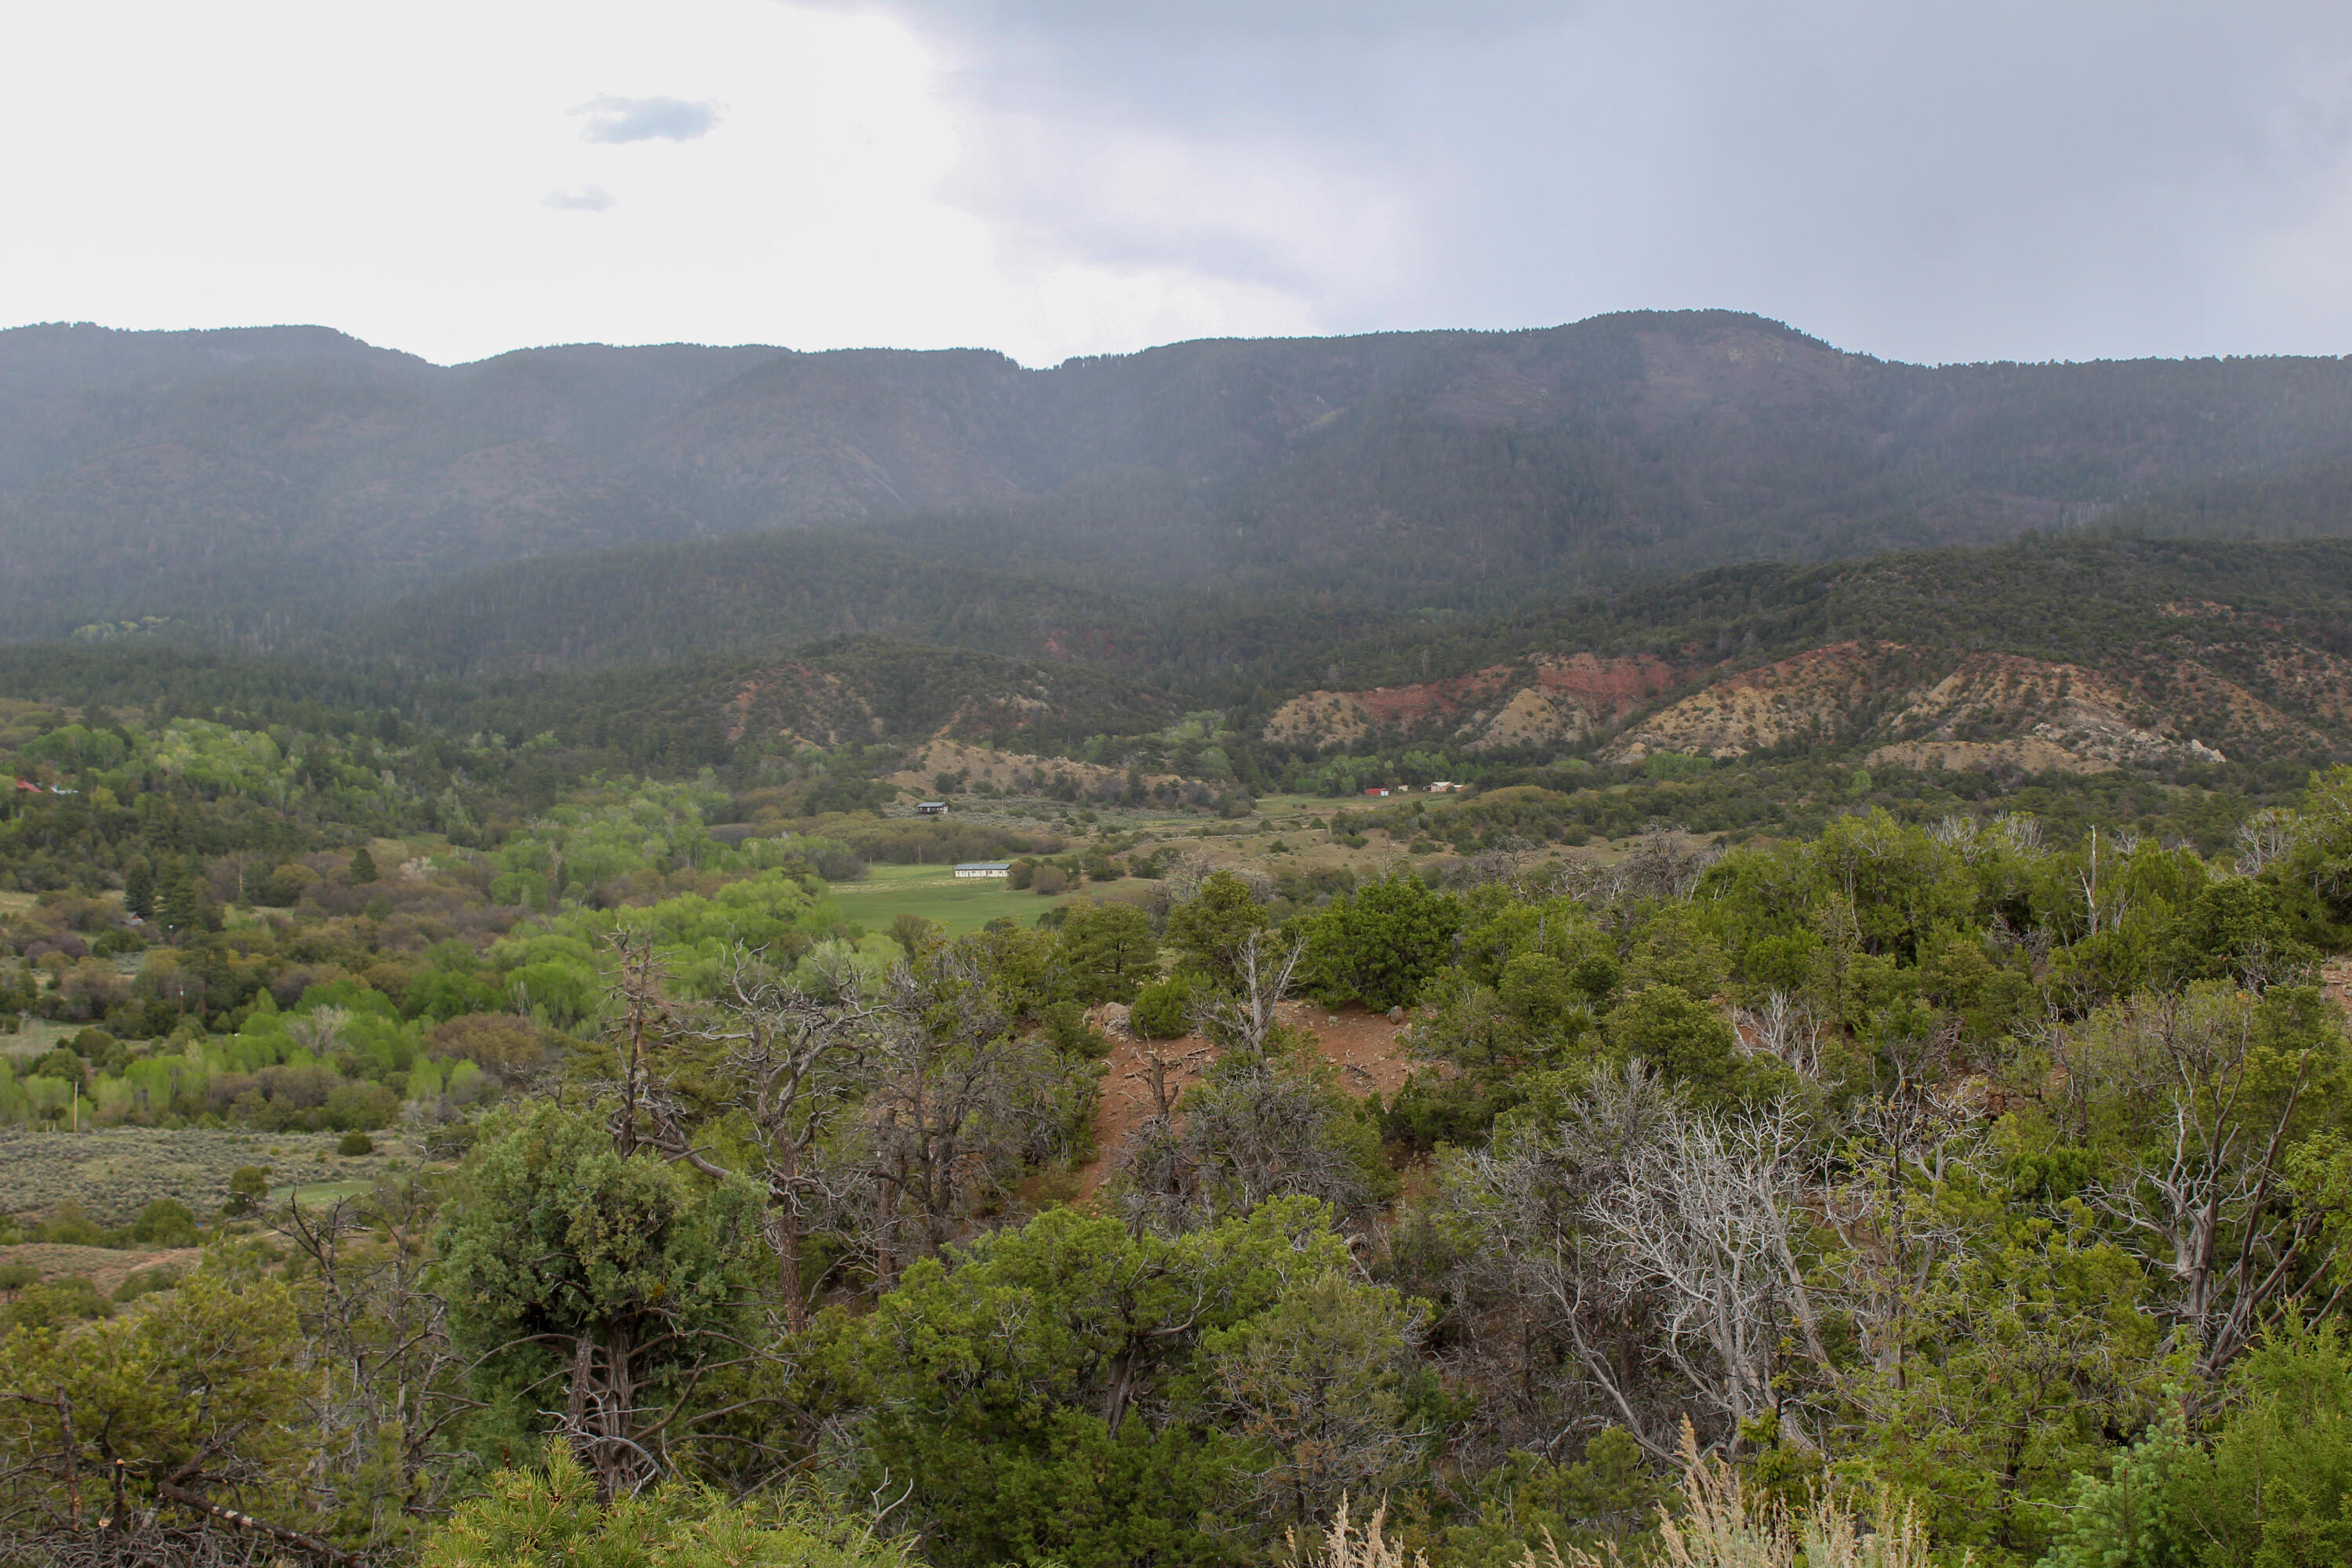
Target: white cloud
586	199
612	118
1062	177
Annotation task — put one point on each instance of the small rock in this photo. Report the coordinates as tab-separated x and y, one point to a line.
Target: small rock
1396	1015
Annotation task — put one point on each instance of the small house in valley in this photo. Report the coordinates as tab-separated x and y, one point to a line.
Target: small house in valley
968	869
931	808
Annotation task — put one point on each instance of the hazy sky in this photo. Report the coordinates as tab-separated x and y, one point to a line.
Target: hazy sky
1930	181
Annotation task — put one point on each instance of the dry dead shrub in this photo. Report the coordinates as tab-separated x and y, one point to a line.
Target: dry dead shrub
1345	1546
1719	1525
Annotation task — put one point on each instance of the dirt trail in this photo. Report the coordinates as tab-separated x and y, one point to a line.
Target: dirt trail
1362	1044
105	1267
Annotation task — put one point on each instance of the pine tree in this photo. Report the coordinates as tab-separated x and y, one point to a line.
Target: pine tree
139	886
363	869
175	897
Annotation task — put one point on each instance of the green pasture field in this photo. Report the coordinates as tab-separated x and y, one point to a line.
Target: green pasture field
934	893
317	1195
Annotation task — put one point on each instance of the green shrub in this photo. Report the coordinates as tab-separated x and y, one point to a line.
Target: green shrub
248	1189
71	1299
15	1277
1164	1011
526	1517
360	1107
354	1143
146	1282
70	1225
1072	1035
165	1222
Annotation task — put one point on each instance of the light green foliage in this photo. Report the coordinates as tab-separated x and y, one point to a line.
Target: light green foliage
54	1304
2271	1488
1527	1504
209	1375
2028	1350
553	1518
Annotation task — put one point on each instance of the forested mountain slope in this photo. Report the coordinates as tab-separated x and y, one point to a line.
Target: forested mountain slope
270	478
2070	654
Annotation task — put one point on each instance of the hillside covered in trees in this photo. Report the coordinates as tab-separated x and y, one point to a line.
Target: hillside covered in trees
266	479
1988	1164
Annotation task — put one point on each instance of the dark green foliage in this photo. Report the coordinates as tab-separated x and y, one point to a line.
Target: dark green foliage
1381	944
166	1222
139	886
362	867
1105	951
1210	930
354	1143
1690	1043
248	1185
1164	1011
1034	1388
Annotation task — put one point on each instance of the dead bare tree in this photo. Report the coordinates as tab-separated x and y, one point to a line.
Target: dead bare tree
1883	1207
788	1061
1264	1122
1707	1224
955	1107
1246	1020
2209	1200
1785	1029
1537	1280
388	1380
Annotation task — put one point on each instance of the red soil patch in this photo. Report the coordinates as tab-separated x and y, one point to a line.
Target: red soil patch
1608	688
1362	1044
2336	983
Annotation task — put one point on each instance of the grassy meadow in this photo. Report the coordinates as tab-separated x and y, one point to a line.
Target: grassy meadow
935	893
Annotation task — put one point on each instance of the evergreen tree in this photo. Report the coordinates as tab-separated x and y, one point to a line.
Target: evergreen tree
363	869
175	897
139	886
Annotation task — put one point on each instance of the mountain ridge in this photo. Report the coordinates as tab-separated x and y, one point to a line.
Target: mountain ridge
262	477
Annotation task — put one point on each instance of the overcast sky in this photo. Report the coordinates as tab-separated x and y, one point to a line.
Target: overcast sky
1927	182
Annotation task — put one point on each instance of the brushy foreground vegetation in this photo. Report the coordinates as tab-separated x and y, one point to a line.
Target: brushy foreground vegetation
425	1145
1909	1192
